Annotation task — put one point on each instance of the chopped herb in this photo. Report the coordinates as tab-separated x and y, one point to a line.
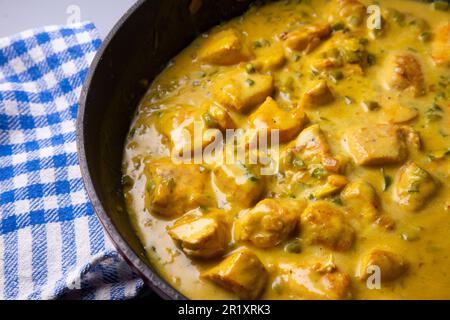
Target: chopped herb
364	41
250	82
354	20
132	132
440	5
201	74
250	68
370	105
336	200
296	57
204	209
398	17
425	36
260	43
253	179
387	181
371	59
338	26
440	96
318	173
336	75
434	113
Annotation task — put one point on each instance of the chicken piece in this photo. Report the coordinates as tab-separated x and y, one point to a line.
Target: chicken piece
217	117
440	48
307	38
308	283
361	197
242	273
317	95
269	58
226	47
399	114
271	116
412	138
391	265
413	186
184	126
404	72
324	224
173	189
376	144
270	222
239	90
201	237
240	184
313	148
334	184
353	11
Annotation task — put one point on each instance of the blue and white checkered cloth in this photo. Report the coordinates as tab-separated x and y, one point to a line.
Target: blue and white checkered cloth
51	243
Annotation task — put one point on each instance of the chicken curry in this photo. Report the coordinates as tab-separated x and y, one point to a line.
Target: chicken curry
359	208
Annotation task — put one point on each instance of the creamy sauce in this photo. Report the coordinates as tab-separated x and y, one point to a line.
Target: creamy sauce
421	237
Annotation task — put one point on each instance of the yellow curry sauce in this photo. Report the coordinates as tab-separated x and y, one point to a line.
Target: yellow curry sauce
363	116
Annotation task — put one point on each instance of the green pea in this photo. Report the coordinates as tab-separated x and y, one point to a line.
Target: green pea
293	247
250	82
336	75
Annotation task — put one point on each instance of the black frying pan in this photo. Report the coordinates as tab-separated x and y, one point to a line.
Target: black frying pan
136	50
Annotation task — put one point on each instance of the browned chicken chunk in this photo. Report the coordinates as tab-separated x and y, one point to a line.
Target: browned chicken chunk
242	273
239	90
271	116
319	94
324	223
307	38
202	237
413	186
376	144
308	283
173	189
391	266
270	222
224	48
239	183
404	73
312	147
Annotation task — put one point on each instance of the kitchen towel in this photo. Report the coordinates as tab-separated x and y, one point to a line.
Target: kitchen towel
51	243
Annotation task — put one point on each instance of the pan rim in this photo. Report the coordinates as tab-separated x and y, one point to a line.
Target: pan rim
151	277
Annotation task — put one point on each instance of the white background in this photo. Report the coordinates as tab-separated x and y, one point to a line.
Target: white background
19	15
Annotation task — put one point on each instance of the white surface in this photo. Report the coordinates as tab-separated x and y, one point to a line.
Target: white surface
19	15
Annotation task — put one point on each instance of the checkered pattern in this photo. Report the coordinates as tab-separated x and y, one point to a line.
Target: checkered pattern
51	243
